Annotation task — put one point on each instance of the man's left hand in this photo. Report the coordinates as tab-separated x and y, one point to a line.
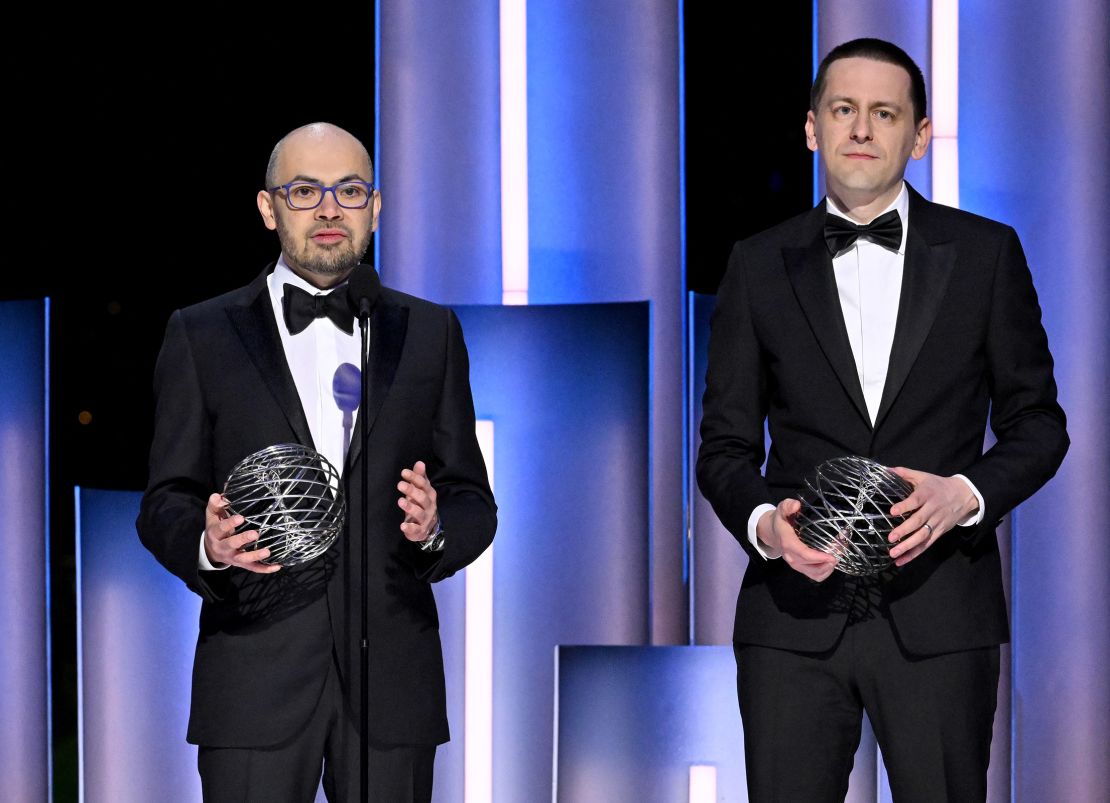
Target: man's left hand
935	506
418	502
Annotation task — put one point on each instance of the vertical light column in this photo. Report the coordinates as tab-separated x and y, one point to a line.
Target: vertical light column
133	672
946	101
1036	102
554	540
703	783
439	165
478	729
514	152
24	540
603	196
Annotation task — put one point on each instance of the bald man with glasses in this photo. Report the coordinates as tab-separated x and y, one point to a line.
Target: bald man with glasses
276	692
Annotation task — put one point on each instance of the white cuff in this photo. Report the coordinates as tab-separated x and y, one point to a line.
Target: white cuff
203	563
753	520
977	516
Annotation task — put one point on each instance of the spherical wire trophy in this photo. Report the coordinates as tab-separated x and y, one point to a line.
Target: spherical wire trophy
292	496
846	513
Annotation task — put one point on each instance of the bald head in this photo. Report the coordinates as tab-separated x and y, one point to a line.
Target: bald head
314	135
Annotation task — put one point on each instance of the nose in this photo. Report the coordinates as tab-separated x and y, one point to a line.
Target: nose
329	208
861	128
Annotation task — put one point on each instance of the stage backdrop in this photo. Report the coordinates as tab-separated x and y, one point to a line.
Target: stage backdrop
25	565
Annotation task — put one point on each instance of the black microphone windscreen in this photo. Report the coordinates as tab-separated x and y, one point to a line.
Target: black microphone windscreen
363	289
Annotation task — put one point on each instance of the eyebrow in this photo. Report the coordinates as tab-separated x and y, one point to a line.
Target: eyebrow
313	180
888	104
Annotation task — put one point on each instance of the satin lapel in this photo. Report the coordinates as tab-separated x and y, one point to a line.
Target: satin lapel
388	326
925	275
811	273
258	330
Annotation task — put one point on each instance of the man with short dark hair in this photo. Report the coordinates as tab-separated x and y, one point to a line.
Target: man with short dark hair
880	325
276	678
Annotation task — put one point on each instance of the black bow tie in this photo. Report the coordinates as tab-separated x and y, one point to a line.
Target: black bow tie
885	230
303	308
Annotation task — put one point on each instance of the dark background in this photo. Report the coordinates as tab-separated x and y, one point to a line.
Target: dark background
118	143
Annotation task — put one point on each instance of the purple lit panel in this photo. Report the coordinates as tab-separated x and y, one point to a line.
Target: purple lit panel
567	389
440	156
1034	101
24	617
137	627
604	219
632	720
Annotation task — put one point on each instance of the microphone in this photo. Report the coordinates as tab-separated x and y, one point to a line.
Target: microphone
363	289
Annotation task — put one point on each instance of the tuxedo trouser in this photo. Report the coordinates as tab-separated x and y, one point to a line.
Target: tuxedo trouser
290	772
802	713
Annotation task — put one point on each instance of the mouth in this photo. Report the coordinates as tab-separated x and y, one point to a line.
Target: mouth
329	236
865	157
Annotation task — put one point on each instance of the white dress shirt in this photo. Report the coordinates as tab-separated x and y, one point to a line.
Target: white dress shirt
869	284
314	355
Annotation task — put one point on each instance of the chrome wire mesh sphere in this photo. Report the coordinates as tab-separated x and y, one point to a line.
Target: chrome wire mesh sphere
292	495
846	513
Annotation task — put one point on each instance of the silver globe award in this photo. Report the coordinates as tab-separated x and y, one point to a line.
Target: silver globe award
846	513
292	496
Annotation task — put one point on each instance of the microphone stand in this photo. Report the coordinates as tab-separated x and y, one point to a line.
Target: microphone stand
364	642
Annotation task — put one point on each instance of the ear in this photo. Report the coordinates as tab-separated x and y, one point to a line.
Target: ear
375	210
265	203
811	131
922	138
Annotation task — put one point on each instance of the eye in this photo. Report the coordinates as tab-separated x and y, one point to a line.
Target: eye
352	191
303	191
884	115
842	111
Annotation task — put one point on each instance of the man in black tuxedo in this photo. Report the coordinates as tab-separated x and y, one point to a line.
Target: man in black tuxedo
275	697
882	325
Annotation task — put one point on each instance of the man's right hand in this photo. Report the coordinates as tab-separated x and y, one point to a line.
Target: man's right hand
223	546
775	529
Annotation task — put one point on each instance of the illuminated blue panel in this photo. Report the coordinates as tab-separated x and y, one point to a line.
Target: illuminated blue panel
633	719
440	157
1033	110
718	561
906	23
604	215
567	390
137	627
24	593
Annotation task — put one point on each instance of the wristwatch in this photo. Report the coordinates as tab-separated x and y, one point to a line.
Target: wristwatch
436	541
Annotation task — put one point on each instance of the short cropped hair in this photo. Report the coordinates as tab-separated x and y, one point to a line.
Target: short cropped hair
876	50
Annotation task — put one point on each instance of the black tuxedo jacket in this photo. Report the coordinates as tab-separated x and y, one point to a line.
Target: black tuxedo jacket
223	391
968	343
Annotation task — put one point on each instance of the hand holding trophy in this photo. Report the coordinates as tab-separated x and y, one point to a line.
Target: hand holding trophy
292	496
846	513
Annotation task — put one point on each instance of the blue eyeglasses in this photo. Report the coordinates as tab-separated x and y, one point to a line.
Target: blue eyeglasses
308	195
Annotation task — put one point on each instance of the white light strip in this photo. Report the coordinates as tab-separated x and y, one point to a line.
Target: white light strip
514	152
946	101
703	783
478	700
